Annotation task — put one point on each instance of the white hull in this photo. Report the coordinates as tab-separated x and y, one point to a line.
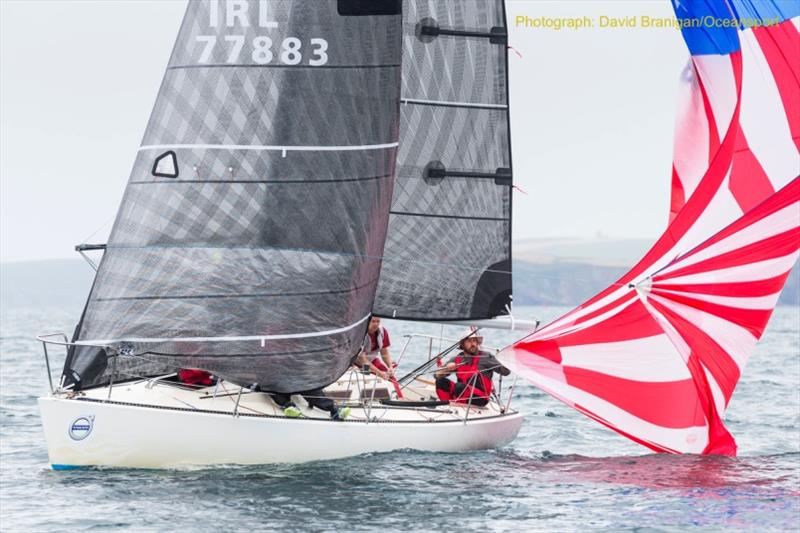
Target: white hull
171	431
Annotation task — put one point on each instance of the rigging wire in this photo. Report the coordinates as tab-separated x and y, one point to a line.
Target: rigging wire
102	226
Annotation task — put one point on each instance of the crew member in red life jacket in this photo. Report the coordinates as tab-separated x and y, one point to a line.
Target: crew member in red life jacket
375	350
473	369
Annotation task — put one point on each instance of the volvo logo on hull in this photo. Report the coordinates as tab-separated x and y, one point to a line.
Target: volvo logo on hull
81	427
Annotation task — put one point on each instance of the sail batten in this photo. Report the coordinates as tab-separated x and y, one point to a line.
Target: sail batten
287	148
301	335
477	105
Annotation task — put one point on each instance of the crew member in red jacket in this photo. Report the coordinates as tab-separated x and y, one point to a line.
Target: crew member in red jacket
474	369
375	350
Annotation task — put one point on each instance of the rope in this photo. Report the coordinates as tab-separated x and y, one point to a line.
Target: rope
420	370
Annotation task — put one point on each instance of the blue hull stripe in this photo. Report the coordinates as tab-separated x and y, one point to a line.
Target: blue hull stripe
68	467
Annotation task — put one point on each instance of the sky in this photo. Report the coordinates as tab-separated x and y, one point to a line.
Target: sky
592	117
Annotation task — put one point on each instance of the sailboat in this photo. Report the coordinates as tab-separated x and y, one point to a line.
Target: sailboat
343	167
306	164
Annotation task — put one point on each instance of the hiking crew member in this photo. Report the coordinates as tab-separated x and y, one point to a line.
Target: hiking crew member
315	398
375	350
473	369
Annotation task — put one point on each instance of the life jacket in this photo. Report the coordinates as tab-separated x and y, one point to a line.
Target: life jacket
466	371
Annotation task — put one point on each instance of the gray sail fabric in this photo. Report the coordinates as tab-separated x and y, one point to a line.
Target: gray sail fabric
249	238
448	248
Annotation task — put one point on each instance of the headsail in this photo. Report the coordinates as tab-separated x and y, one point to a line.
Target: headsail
249	238
657	355
448	248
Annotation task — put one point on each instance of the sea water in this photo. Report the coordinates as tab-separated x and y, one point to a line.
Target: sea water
563	472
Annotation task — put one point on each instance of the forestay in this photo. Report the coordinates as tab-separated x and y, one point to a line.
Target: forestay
657	355
249	238
448	249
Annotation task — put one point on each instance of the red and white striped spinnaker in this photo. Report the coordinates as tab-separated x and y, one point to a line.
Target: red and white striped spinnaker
657	355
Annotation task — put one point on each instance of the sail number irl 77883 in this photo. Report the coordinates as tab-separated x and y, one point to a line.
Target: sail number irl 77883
260	49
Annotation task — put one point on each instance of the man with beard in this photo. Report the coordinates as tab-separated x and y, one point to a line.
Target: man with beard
473	369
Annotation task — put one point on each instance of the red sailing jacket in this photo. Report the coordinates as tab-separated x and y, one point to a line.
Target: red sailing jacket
466	373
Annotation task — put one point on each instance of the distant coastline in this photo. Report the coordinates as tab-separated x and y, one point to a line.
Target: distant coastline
546	272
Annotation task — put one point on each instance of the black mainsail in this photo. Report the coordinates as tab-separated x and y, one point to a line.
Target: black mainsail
448	249
250	235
